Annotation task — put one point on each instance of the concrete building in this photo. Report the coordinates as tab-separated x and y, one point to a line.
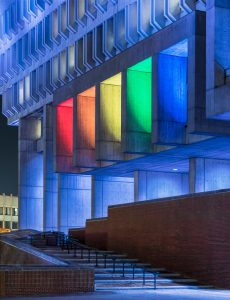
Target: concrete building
115	102
8	212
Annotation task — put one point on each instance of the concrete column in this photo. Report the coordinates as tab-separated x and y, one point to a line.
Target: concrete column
50	177
30	175
108	191
74	193
154	185
207	174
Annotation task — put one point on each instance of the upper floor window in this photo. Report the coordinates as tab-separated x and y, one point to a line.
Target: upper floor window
7	211
14	211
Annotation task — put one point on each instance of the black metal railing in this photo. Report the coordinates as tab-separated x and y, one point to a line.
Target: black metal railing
69	243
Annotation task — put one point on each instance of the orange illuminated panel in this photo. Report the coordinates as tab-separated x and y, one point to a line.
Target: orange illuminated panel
85	141
86	119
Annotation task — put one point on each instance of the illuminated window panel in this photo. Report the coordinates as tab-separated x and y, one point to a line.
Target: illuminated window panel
71	59
110	119
55	24
63	65
85	130
64	134
21	93
27	87
139	107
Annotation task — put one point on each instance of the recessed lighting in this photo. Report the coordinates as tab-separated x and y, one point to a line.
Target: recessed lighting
175	169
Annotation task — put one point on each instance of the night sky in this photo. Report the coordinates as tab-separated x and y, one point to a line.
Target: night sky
8	157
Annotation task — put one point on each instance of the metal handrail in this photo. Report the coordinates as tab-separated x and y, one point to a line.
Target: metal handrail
66	242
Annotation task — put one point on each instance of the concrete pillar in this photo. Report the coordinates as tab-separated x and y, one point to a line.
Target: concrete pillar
108	191
74	196
50	177
30	175
153	185
207	174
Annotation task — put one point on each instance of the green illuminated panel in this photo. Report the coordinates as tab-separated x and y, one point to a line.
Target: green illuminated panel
139	95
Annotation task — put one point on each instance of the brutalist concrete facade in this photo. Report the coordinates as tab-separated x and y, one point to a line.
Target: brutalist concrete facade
116	102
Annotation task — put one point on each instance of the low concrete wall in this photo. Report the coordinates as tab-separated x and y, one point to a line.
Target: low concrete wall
27	281
10	254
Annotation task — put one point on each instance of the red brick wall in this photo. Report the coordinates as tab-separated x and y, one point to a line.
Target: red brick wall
96	232
78	234
190	235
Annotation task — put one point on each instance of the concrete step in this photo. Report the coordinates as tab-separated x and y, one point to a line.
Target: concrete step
128	270
135	286
92	256
130	275
140	280
58	250
100	261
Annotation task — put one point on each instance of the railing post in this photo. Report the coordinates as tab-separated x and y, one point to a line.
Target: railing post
89	251
155	281
96	259
105	257
133	271
143	276
123	269
114	264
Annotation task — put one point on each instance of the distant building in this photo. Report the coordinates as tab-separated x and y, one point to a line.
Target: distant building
8	212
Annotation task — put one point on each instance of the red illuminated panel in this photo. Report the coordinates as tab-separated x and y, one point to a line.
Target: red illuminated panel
64	133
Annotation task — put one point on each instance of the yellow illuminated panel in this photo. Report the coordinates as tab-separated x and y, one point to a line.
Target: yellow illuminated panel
110	109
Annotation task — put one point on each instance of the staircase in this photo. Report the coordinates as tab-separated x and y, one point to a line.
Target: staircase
112	270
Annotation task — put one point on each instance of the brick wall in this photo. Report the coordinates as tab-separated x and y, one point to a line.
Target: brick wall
96	233
45	281
78	233
187	234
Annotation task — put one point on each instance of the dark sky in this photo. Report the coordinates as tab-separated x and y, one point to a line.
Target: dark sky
8	157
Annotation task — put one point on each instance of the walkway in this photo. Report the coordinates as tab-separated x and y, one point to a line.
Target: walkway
141	295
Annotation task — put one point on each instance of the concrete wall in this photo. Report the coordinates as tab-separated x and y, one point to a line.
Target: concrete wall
30	175
50	177
110	191
209	174
154	185
74	196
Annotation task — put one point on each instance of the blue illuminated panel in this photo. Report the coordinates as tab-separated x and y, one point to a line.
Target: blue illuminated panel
172	98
